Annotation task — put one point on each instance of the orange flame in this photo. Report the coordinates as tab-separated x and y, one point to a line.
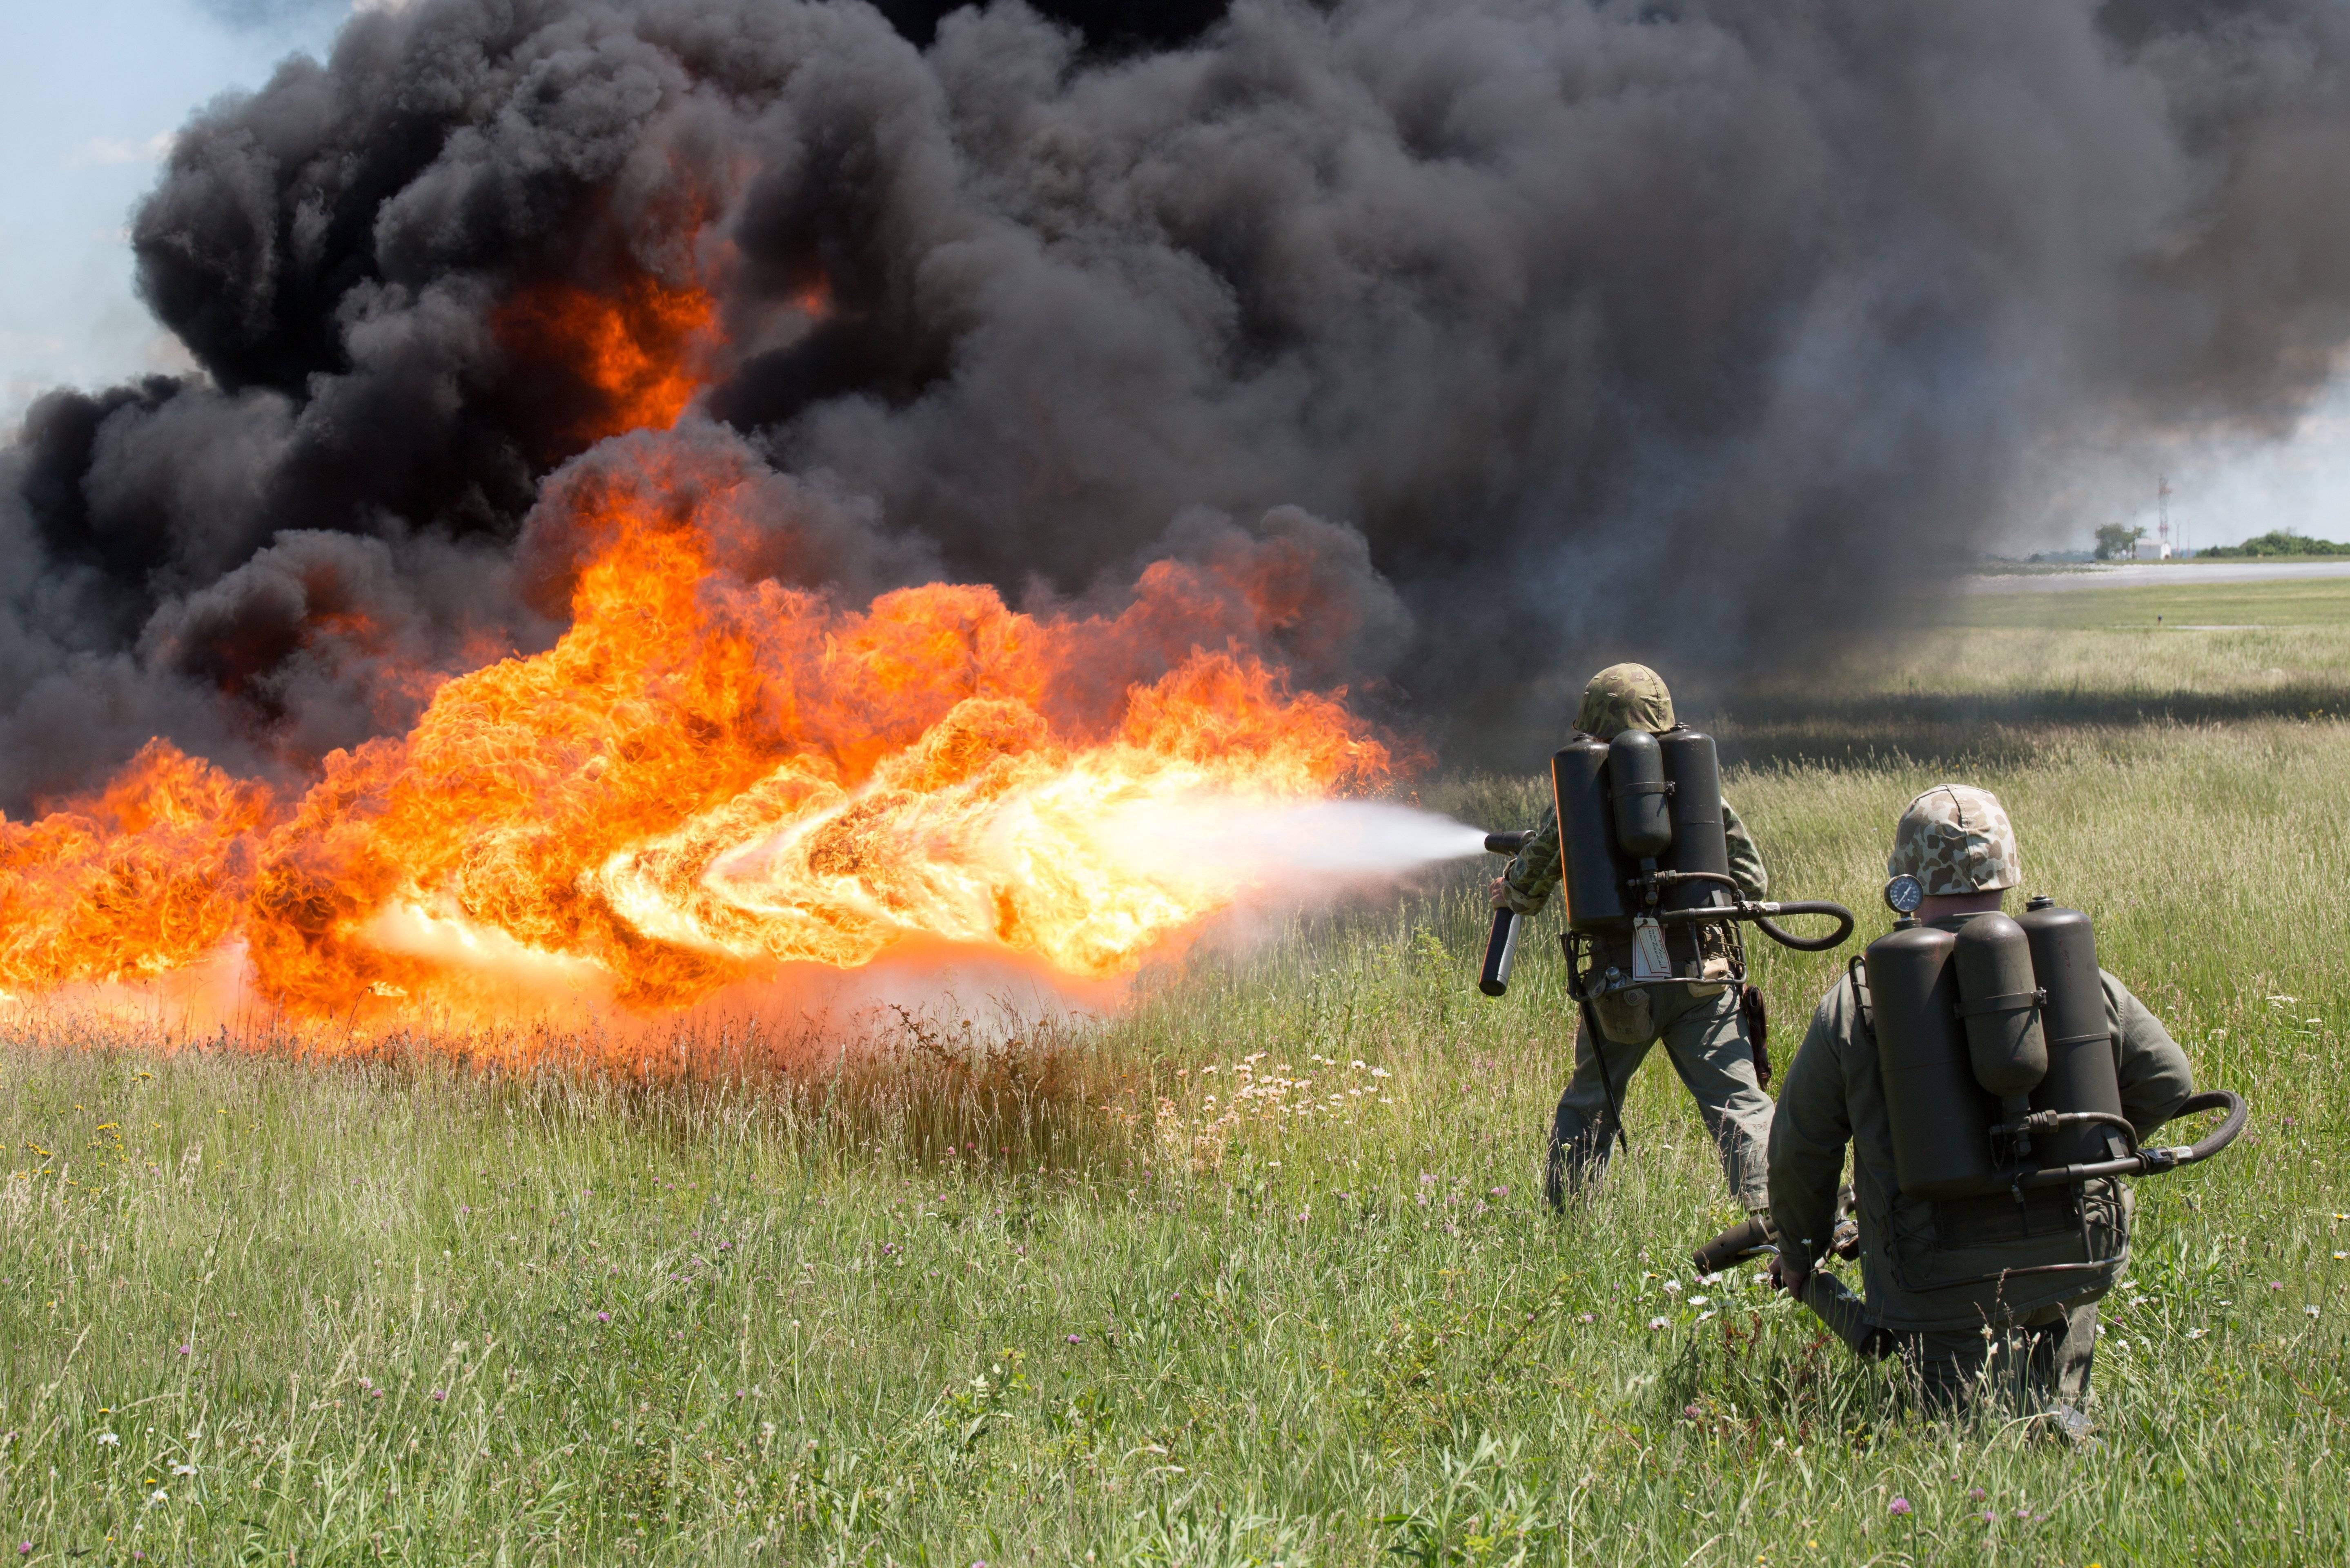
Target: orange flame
145	876
633	348
707	776
710	774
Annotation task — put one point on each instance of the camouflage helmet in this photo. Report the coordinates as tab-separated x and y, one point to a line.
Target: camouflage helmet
1625	697
1956	838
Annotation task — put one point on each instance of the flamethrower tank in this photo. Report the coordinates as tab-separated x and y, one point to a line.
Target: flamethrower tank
1641	836
2081	1077
1999	1003
1986	1006
1641	796
1643	850
1593	872
1940	1117
1997	1062
1698	843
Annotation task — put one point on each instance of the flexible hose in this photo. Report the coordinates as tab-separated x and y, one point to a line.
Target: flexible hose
1806	907
2053	1121
2153	1161
1675	878
1760	914
2223	1135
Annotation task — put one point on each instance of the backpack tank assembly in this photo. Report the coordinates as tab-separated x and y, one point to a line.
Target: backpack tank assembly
1643	852
1997	1060
1642	842
1997	1057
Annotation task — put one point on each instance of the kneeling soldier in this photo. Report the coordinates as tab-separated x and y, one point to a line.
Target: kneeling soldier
1993	1292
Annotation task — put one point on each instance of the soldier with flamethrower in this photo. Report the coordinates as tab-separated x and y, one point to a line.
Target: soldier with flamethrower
1993	1084
1671	972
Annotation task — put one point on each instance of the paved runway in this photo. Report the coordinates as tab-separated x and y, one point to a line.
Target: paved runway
2154	574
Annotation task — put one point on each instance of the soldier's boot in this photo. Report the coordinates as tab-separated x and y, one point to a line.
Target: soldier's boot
1578	1152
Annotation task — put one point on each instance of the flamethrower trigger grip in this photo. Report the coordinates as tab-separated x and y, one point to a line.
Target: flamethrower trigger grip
1502	945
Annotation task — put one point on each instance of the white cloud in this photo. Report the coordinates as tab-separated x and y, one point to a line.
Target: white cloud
30	342
159	353
106	150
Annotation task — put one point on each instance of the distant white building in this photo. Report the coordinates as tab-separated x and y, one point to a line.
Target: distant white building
2153	549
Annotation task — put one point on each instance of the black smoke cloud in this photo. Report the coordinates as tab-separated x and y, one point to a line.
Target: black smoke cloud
1682	331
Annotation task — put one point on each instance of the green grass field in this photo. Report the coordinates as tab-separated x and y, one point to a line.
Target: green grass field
1252	1272
2306	602
1995	674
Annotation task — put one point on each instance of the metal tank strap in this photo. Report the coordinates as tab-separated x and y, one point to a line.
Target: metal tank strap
2013	1001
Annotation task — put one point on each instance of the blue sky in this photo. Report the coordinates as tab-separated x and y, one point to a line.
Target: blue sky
91	91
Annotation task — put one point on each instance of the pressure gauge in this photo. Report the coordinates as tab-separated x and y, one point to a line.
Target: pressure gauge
1904	894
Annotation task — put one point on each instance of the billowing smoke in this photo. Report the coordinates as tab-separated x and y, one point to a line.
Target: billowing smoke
1678	331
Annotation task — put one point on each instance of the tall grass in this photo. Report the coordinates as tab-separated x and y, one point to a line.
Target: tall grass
1252	1271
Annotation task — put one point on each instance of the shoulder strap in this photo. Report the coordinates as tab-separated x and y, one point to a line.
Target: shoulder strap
1854	969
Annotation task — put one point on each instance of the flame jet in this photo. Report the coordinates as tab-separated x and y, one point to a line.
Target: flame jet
708	773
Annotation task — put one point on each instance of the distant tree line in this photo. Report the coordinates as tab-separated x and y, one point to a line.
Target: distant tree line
2275	542
2118	541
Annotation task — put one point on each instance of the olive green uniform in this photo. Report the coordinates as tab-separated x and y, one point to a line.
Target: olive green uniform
1701	1026
1955	1282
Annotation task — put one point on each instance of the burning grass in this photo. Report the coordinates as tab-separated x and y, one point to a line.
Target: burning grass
1024	1292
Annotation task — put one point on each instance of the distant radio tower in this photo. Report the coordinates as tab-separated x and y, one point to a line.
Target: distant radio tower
2162	512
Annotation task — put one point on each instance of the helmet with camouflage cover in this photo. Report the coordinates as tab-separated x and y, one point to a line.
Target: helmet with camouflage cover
1625	697
1956	838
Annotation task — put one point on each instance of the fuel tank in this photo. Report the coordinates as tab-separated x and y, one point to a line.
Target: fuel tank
1997	999
1592	872
1639	795
2081	1073
1940	1118
1700	843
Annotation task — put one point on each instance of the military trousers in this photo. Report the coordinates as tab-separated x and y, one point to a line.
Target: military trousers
1705	1039
2038	1367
